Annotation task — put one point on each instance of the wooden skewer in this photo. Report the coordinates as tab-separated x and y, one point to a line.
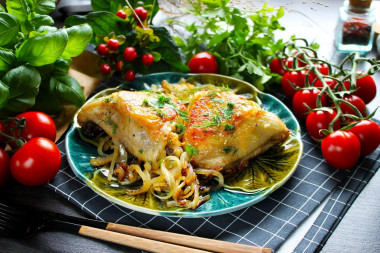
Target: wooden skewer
186	240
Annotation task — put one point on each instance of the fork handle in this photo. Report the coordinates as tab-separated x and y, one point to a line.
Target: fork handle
135	242
186	240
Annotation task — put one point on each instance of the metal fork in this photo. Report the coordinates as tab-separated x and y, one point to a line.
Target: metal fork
24	222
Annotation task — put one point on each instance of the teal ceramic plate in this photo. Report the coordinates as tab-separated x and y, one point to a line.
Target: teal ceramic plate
265	174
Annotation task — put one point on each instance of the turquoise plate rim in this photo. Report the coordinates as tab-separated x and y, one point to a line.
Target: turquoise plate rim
253	198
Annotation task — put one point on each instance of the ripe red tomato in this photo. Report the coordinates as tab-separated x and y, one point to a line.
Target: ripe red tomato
37	124
113	44
318	120
119	66
322	68
368	133
130	54
341	149
297	78
105	69
35	163
141	13
130	75
203	62
147	59
102	49
330	82
366	89
121	14
355	101
309	98
276	65
4	167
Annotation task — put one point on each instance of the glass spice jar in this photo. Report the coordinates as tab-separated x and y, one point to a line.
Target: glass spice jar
355	27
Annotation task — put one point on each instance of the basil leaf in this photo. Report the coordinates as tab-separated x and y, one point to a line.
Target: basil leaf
20	8
101	5
79	37
168	49
9	27
2	9
4	94
67	89
63	65
41	20
101	22
25	82
7	58
43	49
47	101
43	6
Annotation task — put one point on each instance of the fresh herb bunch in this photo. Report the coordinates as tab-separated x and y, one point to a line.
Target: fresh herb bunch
127	40
35	58
242	41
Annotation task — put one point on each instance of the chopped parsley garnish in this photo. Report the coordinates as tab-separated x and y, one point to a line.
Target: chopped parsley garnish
141	151
114	128
228	127
162	100
219	100
180	128
215	121
145	103
228	111
190	150
160	113
228	149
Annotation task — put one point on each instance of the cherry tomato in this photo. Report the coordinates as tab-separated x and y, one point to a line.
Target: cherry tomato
37	162
341	149
113	44
368	133
130	75
309	98
4	167
130	54
319	120
121	14
119	66
102	49
330	82
147	59
366	88
322	68
141	13
297	78
355	101
105	69
2	138
203	62
277	67
37	124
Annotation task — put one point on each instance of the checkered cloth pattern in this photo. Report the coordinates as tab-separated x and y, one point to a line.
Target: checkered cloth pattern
267	223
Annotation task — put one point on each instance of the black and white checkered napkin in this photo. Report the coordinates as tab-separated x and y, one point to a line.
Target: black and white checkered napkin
265	224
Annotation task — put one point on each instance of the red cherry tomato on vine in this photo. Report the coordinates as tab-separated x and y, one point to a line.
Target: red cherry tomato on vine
330	82
147	59
119	66
341	149
37	124
130	75
121	14
203	62
297	78
2	138
366	89
368	133
141	13
323	68
355	101
105	69
308	97
130	54
319	120
4	167
276	65
102	49
36	163
113	44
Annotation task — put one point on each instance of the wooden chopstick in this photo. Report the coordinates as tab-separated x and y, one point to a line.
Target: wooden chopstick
186	240
135	242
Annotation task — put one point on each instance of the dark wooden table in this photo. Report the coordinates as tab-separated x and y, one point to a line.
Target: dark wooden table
363	224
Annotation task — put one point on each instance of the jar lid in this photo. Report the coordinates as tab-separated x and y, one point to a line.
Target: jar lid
364	4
